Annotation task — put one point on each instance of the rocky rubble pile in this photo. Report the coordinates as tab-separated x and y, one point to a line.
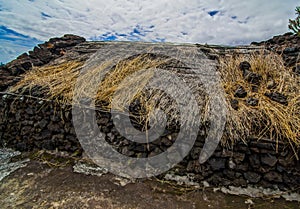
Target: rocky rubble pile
288	46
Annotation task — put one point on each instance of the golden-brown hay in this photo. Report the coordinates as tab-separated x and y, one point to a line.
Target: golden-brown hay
269	119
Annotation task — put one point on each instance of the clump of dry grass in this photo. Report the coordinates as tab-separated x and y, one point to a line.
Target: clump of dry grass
114	80
58	82
55	81
269	119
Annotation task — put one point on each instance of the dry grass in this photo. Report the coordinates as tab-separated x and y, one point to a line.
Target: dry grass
269	119
55	81
58	83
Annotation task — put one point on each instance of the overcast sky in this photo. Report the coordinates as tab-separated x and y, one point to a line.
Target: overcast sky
24	23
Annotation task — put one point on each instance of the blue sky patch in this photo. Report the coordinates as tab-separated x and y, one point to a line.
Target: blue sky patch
13	43
213	13
11	35
137	34
44	15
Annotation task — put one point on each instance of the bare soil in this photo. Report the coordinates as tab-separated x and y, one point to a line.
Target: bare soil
41	185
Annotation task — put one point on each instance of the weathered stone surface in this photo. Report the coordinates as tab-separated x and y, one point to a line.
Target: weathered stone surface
252	77
240	92
273	177
269	160
288	161
277	97
244	66
217	163
254	161
252	177
252	101
296	69
234	104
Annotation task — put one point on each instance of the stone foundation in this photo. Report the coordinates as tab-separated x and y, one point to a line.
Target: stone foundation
28	123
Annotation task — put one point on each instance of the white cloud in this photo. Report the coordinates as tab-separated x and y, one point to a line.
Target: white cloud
237	22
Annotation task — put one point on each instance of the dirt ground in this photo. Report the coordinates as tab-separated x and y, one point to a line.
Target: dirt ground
44	185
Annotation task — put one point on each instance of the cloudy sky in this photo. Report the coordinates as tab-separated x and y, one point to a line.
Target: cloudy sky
24	23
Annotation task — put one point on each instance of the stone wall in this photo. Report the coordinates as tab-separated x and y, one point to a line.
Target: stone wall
28	123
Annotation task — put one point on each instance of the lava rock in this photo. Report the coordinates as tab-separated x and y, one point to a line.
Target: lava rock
217	163
269	160
240	182
252	77
53	127
277	97
273	177
254	161
297	69
230	174
244	66
167	142
240	92
22	146
252	101
238	157
48	145
234	104
289	50
286	161
248	75
195	152
29	111
43	55
252	177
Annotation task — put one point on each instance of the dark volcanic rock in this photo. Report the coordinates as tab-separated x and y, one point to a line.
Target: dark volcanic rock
254	161
252	77
244	66
248	75
286	45
217	163
289	50
277	97
234	104
297	69
269	160
252	177
252	101
240	92
273	177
